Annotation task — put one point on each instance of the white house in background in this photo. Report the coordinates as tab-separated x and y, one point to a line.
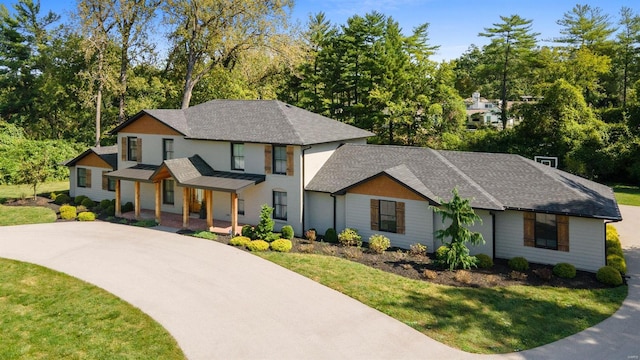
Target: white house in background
319	173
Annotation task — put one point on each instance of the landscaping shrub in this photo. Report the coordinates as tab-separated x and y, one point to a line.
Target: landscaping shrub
247	231
418	249
127	207
463	276
88	203
484	261
310	235
111	210
81	208
272	237
609	275
67	212
258	245
281	245
564	270
350	237
612	233
287	232
266	223
87	216
104	204
441	253
517	275
240	241
615	250
544	273
618	263
79	199
429	274
53	196
307	248
519	263
613	243
62	199
331	236
353	253
379	243
145	223
208	235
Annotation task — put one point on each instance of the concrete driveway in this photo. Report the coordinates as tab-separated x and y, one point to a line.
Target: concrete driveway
222	303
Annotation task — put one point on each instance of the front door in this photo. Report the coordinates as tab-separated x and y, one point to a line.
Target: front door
196	196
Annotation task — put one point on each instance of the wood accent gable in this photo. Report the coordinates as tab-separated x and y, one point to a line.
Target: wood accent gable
93	160
146	124
530	229
562	222
384	185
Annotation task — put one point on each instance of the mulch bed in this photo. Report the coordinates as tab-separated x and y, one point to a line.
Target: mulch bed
30	201
402	262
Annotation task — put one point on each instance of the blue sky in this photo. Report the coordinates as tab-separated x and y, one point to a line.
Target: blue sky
454	24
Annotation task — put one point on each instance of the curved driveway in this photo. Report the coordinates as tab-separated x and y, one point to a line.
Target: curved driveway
222	303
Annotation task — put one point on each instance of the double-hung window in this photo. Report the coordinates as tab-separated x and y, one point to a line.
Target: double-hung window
132	148
82	177
546	231
388	221
237	156
168	192
167	149
279	159
280	205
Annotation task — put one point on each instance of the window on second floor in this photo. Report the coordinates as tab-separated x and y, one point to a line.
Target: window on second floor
237	156
167	149
132	148
279	159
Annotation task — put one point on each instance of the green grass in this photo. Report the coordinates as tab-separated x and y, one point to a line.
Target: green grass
50	315
203	234
627	195
22	191
18	215
478	320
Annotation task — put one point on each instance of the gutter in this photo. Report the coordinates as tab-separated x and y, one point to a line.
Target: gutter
334	210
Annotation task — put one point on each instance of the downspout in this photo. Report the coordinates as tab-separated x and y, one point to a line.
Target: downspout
334	210
304	192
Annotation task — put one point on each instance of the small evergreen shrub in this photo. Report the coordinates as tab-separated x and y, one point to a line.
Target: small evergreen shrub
484	261
247	231
67	212
62	199
127	207
615	250
287	232
111	211
281	245
208	235
266	223
86	216
609	275
612	233
79	199
104	204
379	243
618	263
331	236
258	245
418	249
145	223
88	203
272	237
441	253
53	195
519	263
613	243
350	237
240	241
564	270
310	235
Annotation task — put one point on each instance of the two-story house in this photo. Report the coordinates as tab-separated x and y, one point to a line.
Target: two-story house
235	155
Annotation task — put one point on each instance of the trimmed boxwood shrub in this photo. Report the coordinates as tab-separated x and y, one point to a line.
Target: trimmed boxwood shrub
67	212
258	245
281	245
248	231
441	253
104	204
62	199
379	243
88	203
111	210
87	216
615	250
609	275
484	261
564	270
350	237
519	263
613	243
618	263
127	207
240	241
331	236
79	199
287	232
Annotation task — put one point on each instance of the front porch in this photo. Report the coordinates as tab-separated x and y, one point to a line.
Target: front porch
176	221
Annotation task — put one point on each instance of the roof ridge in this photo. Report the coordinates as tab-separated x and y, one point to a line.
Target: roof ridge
467	178
429	193
279	104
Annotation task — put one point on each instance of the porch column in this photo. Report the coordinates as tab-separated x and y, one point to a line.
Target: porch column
185	207
234	213
208	199
118	208
158	204
137	199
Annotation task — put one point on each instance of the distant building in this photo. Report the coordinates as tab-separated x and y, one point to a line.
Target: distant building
483	112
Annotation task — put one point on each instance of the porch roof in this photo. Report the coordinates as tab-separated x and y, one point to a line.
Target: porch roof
139	172
195	172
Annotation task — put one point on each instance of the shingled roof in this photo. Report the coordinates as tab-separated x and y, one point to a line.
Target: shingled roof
107	153
253	121
493	181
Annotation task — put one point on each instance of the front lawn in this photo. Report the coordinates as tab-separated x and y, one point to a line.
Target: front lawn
50	315
25	191
627	195
18	215
478	320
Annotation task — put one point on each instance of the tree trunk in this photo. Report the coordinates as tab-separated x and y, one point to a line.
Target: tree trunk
99	98
503	95
124	64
